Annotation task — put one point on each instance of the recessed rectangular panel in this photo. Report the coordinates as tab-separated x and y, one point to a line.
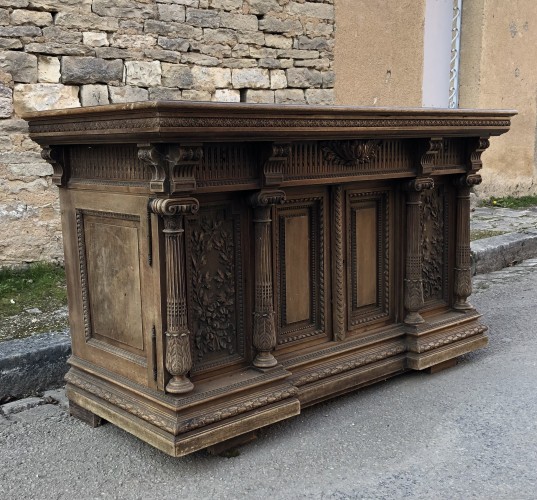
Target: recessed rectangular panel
366	255
114	281
297	269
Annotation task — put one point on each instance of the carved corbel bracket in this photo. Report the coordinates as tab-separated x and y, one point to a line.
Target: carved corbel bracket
351	153
267	197
468	181
275	158
429	152
477	147
150	156
178	351
183	160
418	185
54	155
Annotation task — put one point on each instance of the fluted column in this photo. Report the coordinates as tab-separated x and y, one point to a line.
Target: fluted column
463	271
264	328
413	293
178	359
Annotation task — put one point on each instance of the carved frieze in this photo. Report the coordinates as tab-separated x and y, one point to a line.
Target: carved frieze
350	153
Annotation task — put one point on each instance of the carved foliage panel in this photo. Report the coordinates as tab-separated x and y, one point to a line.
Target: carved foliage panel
109	258
368	257
215	286
300	268
434	219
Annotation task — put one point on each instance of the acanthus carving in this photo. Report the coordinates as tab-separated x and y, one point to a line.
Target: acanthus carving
150	156
55	157
432	238
184	160
275	161
213	291
350	153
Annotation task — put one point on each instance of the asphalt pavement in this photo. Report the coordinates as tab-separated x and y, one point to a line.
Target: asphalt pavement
467	432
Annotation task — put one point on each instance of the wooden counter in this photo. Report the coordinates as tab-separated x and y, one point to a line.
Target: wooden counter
229	264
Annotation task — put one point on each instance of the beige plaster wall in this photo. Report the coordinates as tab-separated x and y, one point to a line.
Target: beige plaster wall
499	70
379	52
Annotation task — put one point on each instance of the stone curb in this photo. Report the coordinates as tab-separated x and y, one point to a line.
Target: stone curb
497	252
30	366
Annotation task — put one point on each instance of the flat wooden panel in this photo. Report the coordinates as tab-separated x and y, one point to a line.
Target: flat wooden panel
297	269
114	282
366	255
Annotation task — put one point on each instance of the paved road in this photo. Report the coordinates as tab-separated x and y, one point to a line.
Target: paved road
469	432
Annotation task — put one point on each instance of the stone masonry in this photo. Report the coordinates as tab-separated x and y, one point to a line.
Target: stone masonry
70	53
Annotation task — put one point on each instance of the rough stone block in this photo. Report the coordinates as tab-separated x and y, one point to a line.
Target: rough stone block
299	54
6	102
4	17
126	41
58	35
310	9
211	78
94	95
48	69
22	16
329	78
259	52
203	18
304	78
317	43
229	5
24	170
171	12
259	96
220	36
61	5
320	96
264	6
86	21
127	94
241	50
290	96
28	98
60	49
196	95
177	44
21	66
320	64
201	59
251	37
16	31
278	79
238	63
227	95
95	39
239	21
10	43
269	62
16	4
315	28
125	8
272	24
180	30
176	75
142	73
187	3
278	41
169	56
91	70
116	53
254	78
165	94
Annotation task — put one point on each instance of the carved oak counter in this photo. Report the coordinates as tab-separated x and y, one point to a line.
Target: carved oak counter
229	264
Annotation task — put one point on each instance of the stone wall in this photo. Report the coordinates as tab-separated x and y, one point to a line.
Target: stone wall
70	53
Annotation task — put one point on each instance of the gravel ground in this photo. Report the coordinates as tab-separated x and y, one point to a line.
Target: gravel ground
467	432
